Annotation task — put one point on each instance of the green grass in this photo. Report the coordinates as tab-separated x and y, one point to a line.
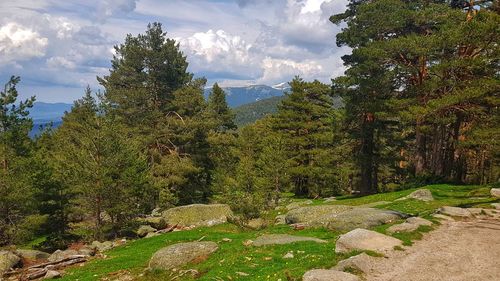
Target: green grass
267	263
444	195
231	257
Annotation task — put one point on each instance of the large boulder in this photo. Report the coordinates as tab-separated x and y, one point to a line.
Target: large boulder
280	239
178	255
298	204
315	215
32	254
197	215
420	194
8	260
144	230
455	212
495	192
362	218
362	240
328	275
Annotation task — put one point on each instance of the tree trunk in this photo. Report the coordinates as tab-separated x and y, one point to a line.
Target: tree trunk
420	155
367	183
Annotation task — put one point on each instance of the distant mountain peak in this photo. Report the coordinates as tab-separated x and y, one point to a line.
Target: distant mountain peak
281	86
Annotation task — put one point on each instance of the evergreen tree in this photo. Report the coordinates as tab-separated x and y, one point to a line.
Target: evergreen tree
101	164
305	122
18	217
219	111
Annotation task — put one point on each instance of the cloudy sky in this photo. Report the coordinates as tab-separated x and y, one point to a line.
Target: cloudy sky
58	47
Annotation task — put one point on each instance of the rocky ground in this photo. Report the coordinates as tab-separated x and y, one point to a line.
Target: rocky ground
455	251
365	238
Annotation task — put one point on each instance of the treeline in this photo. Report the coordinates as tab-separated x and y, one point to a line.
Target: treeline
420	103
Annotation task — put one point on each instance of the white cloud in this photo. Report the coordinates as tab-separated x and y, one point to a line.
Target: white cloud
18	43
60	62
276	69
217	45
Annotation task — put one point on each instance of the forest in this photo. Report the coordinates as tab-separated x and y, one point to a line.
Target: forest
420	105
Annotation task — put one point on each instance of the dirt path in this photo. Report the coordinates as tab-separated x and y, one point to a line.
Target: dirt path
456	251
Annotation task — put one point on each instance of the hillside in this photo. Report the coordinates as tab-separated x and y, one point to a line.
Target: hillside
237	96
237	260
249	113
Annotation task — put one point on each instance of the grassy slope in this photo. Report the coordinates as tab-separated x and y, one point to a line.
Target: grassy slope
233	257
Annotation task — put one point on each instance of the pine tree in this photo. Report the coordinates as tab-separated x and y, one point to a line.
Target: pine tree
305	122
219	111
18	217
101	165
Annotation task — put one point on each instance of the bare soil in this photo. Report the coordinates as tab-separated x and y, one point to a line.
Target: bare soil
455	251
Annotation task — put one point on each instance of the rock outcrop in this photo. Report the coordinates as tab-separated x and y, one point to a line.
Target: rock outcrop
197	215
178	255
362	240
280	239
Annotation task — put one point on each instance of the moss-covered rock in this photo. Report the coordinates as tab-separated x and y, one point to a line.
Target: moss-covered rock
315	215
197	215
178	255
281	239
362	218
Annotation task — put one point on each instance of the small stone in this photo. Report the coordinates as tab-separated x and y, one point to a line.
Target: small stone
52	274
495	192
496	205
247	243
402	227
419	221
361	262
328	275
227	240
242	273
288	255
144	230
256	224
152	234
281	219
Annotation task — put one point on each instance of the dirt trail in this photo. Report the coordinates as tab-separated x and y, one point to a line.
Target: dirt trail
455	251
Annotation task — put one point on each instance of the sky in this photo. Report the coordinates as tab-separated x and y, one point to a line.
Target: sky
60	47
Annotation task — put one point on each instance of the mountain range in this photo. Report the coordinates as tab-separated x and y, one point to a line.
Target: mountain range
45	113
